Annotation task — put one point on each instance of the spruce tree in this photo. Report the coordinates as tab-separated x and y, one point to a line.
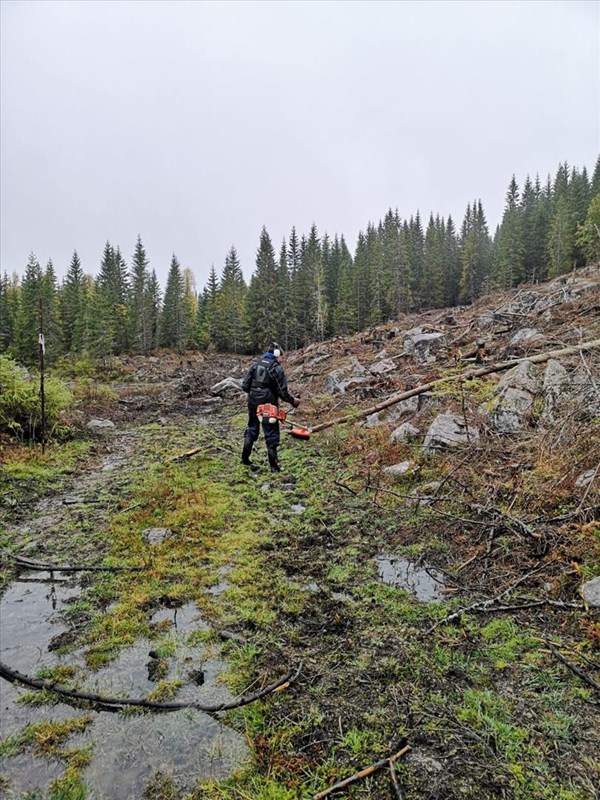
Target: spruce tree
51	313
153	306
510	268
6	315
588	234
264	320
172	324
140	309
294	256
26	324
231	305
71	307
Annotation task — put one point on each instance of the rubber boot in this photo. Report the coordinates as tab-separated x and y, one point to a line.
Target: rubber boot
248	444
273	463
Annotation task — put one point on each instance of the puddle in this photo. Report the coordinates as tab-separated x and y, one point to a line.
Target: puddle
425	583
127	750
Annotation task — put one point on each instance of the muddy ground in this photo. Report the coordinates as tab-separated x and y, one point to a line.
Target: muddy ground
440	609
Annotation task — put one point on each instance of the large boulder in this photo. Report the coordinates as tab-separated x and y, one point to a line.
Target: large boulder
391	416
227	388
555	389
512	408
449	430
423	346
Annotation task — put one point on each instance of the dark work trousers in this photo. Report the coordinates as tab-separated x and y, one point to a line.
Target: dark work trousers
271	431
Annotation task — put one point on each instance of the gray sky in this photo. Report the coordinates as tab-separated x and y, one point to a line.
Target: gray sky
196	123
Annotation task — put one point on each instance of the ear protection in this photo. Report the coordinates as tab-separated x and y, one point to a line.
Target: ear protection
276	352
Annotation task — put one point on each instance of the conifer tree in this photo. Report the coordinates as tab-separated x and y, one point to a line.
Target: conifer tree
510	253
432	276
190	308
51	313
344	312
26	324
264	318
230	306
6	314
207	322
72	307
140	310
153	306
294	257
588	234
172	324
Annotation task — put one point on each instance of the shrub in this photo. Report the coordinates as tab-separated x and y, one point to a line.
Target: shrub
20	404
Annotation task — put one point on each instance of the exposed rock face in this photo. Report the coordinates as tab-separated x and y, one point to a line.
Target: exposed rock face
591	592
449	430
229	387
422	346
99	427
516	392
403	433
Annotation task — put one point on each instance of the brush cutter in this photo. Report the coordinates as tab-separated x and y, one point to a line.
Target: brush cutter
274	414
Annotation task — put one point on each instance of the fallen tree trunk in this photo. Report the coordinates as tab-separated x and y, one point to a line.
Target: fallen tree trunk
473	373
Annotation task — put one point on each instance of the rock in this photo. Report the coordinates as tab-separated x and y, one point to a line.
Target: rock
527	336
449	430
421	346
156	536
403	433
380	367
524	376
227	388
591	592
512	410
556	380
381	354
585	478
372	421
100	426
399	469
336	383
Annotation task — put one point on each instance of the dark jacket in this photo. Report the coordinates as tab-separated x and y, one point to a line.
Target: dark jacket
265	382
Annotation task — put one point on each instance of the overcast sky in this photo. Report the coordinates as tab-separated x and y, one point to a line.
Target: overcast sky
196	123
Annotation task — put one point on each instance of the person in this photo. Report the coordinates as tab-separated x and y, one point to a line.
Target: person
265	382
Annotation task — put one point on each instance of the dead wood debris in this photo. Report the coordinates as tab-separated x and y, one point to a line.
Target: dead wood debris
364	773
13	676
36	565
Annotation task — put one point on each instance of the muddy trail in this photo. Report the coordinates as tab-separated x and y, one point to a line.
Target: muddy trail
426	573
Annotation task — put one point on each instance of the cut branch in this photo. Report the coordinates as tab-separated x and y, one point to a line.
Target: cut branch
475	373
13	676
37	565
574	669
364	773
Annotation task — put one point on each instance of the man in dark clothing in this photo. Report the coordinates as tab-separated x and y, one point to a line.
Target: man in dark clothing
265	382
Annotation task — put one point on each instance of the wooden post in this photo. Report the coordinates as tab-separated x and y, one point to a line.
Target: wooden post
42	353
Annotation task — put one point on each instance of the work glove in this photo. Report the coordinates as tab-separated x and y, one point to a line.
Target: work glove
296	402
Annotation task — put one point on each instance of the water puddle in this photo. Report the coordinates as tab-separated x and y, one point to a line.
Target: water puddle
425	583
186	745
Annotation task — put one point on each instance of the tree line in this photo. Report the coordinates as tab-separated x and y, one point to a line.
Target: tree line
313	287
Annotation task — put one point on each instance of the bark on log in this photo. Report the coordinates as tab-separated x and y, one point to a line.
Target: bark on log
473	373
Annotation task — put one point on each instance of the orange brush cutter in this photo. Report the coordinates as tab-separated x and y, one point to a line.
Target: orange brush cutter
275	414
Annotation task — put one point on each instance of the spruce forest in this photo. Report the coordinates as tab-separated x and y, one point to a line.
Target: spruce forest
313	287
